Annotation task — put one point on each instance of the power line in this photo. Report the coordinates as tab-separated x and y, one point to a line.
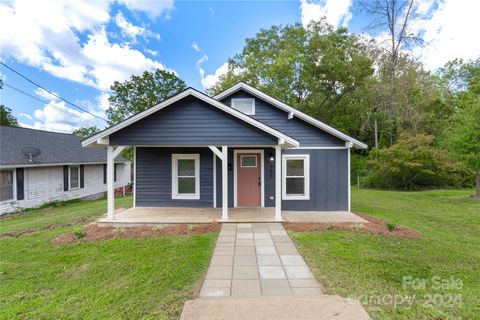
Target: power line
52	93
45	101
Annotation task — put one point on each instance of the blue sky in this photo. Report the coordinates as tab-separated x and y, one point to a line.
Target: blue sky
77	49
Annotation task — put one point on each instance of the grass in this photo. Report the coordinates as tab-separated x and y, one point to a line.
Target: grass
371	267
113	279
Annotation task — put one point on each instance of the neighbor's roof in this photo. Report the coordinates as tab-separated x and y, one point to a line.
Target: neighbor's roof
56	148
294	112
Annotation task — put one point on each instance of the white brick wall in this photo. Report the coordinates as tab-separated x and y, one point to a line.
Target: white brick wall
45	184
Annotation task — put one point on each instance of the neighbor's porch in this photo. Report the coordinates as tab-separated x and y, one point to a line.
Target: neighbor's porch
150	216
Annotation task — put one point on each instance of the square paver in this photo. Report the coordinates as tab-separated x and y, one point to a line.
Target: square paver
275	226
227	233
261	230
266	250
276	287
259	236
264	242
245	243
244	225
298	272
279	233
303	283
223	239
269	272
245	230
214	292
241	251
282	239
268	260
219	273
292	260
286	249
222	251
221	261
245	272
229	226
245	236
225	244
246	260
306	291
246	288
216	283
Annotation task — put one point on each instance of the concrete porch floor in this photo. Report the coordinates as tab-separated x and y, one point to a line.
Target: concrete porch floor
150	216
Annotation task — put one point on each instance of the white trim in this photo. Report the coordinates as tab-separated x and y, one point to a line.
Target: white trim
110	183
185	156
306	176
224	183
349	186
13	166
134	176
262	181
69	177
277	103
216	151
204	146
290	116
252	107
214	180
278	183
318	148
92	141
248	156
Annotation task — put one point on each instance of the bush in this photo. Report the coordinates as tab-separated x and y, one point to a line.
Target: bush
412	163
79	234
391	226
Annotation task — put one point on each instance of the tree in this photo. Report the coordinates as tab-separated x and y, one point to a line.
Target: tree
140	93
6	117
86	132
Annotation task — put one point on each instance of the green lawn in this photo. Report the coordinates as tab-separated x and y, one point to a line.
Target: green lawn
373	267
114	279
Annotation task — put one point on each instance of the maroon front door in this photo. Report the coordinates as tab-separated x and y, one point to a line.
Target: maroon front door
248	179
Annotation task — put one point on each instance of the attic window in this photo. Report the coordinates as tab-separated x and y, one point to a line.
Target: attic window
245	105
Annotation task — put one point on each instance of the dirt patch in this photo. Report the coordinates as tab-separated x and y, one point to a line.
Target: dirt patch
96	233
16	234
374	226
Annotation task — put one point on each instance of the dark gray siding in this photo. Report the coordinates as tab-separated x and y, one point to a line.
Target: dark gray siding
328	181
154	178
305	133
191	122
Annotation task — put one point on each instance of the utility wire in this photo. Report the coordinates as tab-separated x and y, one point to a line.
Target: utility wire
45	101
50	92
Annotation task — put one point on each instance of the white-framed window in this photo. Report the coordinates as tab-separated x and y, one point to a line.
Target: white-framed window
245	105
6	185
73	177
248	161
296	177
186	176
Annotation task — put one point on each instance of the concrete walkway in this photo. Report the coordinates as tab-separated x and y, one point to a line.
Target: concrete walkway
257	259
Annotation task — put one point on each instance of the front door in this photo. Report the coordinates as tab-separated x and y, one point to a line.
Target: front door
248	179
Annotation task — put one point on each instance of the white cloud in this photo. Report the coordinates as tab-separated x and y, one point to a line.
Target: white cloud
195	46
153	9
151	52
128	29
29	117
45	95
336	12
210	80
200	62
450	31
46	37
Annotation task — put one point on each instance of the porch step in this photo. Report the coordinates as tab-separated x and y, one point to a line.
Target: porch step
323	307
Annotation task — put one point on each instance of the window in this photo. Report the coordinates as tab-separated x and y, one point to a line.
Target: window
74	177
248	161
296	177
6	185
185	176
245	105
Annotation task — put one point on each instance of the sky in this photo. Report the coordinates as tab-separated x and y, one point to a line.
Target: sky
76	49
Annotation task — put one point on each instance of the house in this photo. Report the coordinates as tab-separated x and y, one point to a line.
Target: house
63	170
241	148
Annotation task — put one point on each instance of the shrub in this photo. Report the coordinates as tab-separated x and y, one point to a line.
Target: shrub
391	226
79	234
357	226
412	163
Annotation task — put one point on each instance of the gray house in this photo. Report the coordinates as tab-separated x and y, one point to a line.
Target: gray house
63	170
241	148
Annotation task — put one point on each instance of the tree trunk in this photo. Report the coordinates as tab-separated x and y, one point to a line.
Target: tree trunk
477	189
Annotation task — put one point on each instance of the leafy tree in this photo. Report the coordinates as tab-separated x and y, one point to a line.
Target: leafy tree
6	117
86	132
414	162
140	93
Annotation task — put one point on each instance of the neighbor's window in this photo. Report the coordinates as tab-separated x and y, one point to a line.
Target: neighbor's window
295	182
248	161
185	176
6	185
74	177
245	105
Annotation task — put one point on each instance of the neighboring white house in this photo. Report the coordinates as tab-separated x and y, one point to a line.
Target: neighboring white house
62	171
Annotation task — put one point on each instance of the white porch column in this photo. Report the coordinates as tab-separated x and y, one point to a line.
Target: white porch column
112	153
224	183
278	183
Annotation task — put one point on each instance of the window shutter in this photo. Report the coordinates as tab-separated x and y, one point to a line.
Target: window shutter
20	184
82	179
104	173
115	172
65	178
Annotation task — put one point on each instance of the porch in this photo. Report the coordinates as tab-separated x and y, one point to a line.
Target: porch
151	216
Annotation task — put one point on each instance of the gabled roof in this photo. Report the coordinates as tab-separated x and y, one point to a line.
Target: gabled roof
92	141
56	148
294	112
